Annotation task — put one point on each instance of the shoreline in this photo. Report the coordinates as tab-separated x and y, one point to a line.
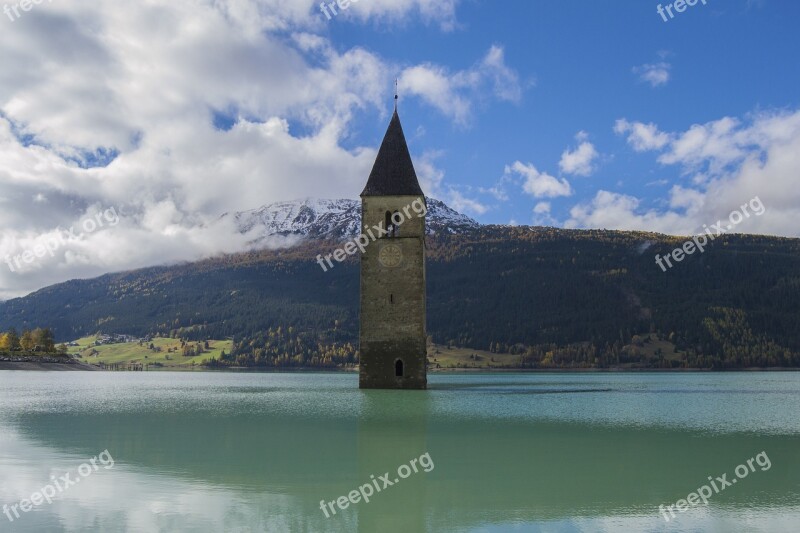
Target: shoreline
35	363
616	370
43	363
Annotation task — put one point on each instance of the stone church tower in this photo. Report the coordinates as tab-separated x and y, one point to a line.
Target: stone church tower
392	340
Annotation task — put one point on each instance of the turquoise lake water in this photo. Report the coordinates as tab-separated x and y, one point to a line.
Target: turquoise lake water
499	452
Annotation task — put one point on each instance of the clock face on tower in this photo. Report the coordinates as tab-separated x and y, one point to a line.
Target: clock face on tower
390	255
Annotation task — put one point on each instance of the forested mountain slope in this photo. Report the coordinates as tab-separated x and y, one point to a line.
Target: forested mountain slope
558	298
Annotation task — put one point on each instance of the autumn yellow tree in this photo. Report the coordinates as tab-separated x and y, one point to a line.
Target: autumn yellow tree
43	338
27	341
9	341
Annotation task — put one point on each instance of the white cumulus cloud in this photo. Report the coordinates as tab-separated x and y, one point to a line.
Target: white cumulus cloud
453	93
654	73
177	112
641	137
742	161
539	184
580	161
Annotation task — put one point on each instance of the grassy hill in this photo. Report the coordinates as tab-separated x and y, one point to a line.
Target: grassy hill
446	357
166	352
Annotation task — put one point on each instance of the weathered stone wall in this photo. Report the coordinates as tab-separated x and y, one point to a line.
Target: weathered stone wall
393	299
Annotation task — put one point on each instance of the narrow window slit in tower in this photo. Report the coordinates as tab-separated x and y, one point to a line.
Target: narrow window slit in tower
388	224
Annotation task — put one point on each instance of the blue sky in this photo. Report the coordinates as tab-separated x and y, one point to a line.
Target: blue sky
581	65
575	114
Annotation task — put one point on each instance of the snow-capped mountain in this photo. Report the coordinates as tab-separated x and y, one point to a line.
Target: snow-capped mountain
335	219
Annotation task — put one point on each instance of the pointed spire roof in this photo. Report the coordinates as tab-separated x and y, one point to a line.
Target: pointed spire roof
393	173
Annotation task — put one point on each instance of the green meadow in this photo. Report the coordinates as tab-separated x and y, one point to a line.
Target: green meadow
133	352
454	357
